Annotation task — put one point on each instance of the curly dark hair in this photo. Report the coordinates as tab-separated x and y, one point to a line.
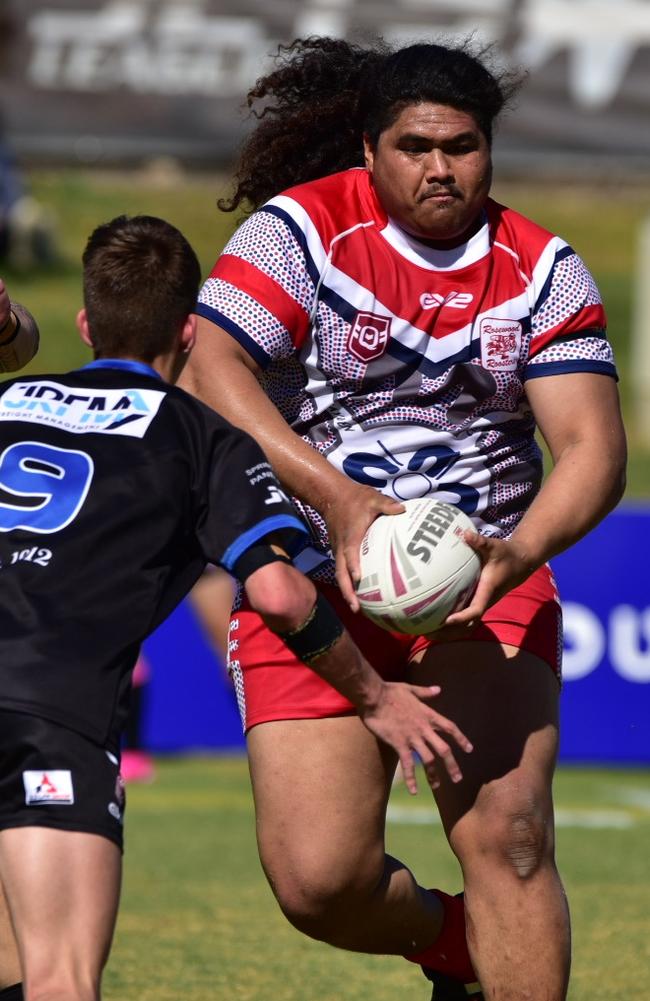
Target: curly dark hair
326	93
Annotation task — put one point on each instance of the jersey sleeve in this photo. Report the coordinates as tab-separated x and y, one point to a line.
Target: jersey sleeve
242	502
568	319
262	288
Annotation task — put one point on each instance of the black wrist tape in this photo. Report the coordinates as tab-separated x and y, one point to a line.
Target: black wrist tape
254	558
318	633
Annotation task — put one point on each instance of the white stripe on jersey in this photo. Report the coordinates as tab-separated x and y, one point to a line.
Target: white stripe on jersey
477	247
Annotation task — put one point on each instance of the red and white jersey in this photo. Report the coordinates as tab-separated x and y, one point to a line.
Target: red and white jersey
406	366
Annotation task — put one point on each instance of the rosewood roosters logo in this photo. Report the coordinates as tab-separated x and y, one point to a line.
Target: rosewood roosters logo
368	336
500	344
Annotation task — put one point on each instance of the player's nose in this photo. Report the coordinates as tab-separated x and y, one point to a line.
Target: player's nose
437	166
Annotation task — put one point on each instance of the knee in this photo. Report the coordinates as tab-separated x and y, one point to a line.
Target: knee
60	986
322	901
515	835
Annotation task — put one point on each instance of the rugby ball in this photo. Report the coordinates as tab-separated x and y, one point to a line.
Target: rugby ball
416	568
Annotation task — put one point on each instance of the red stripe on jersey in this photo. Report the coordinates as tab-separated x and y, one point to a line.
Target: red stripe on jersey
265	290
349	193
588	318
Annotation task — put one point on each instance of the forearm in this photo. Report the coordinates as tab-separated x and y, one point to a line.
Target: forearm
289	604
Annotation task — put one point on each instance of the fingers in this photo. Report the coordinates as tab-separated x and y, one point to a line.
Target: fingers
407	765
345	582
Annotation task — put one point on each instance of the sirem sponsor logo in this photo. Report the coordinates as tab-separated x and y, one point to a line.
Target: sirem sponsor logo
368	337
455	300
111	411
500	344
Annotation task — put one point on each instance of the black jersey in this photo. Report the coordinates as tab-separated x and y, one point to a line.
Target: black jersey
115	490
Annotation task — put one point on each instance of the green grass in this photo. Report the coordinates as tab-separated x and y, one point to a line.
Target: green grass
198	920
600	222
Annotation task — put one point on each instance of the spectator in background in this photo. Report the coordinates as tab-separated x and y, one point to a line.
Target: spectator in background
212	598
137	763
27	234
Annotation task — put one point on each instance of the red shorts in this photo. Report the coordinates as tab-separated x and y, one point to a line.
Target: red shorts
271	683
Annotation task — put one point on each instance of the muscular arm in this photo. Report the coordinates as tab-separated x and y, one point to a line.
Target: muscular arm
580	420
222	374
579	417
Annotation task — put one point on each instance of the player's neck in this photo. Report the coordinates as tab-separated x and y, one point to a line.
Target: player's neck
165	365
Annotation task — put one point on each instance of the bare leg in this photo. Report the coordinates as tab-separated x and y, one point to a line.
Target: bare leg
9	962
63	890
499	819
321	788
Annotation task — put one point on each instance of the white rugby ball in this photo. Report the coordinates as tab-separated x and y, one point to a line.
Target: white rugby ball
416	568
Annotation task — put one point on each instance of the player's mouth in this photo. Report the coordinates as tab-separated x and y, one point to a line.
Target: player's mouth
443	196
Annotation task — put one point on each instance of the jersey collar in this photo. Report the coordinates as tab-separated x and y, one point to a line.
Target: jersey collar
125	364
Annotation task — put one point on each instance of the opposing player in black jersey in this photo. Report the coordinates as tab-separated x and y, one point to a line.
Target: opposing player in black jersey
115	489
19	339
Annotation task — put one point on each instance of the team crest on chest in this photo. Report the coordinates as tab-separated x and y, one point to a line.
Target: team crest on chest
500	344
368	336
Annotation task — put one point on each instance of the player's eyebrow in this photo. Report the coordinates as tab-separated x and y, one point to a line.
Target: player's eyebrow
469	135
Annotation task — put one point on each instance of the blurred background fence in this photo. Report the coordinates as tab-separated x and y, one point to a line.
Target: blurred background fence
136	105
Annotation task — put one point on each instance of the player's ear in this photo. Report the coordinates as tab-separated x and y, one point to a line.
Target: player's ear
368	152
188	335
82	327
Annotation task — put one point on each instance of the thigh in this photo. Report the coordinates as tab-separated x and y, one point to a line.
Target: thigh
506	700
321	787
62	889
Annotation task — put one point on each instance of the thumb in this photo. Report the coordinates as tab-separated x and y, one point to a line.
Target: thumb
388	505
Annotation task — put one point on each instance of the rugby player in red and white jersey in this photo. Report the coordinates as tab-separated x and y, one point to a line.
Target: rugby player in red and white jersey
385	330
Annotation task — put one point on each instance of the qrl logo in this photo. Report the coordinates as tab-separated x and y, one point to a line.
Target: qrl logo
368	336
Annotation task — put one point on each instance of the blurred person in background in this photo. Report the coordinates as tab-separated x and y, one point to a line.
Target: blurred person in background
211	598
27	230
137	763
385	330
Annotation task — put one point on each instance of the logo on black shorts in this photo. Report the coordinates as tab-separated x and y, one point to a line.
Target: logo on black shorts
43	788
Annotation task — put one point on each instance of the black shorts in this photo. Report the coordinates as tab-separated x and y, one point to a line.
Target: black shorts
51	776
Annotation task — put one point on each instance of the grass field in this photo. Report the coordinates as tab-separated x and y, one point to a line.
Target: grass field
198	921
601	223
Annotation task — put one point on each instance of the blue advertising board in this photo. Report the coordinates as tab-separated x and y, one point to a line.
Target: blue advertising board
604	582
